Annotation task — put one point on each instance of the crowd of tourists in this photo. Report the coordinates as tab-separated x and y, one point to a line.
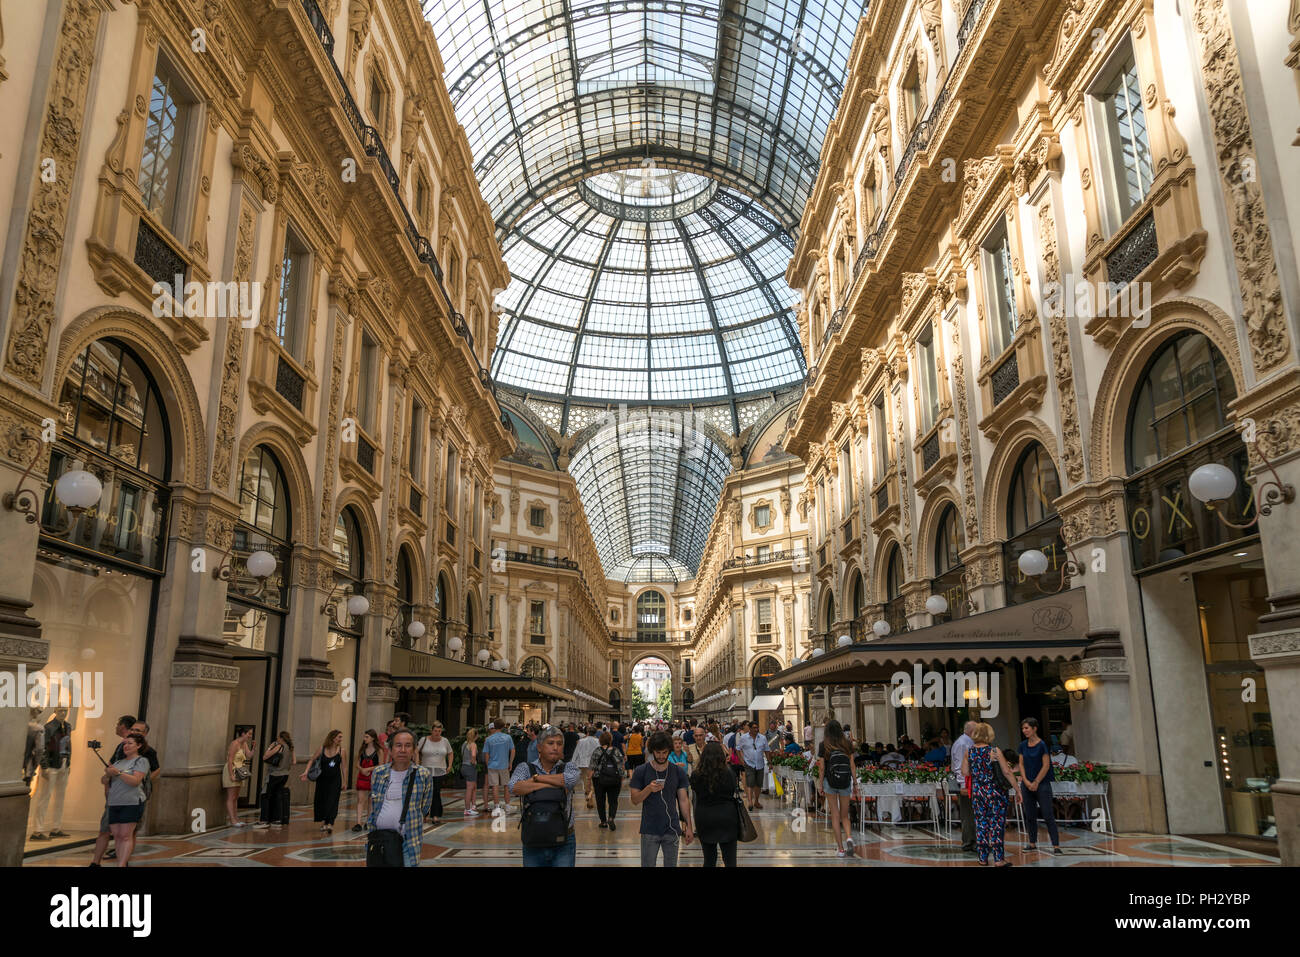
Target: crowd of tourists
687	782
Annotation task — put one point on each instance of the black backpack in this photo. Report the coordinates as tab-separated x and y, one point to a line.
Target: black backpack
839	773
545	821
607	767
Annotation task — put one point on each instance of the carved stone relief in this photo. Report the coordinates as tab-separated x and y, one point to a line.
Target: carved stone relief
1252	243
32	321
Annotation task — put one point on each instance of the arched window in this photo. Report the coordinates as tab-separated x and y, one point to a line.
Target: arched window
651	616
1032	522
688	699
1177	422
114	426
615	700
263	495
111	405
1034	490
948	569
895	606
859	598
405	583
763	669
349	572
441	614
1182	399
263	524
535	667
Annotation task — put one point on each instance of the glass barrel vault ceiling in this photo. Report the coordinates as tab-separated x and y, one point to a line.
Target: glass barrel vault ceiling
646	163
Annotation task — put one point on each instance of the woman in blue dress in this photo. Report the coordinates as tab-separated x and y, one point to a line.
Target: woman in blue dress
988	799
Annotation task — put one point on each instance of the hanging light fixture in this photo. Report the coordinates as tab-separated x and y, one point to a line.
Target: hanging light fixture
936	604
1214	484
881	628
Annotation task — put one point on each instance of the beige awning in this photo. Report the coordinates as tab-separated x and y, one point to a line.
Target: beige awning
419	670
766	702
1048	628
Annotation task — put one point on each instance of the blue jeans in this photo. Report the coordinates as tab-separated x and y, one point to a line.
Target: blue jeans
651	844
563	856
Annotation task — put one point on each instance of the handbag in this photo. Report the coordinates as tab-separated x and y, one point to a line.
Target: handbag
275	759
243	772
313	771
748	832
384	848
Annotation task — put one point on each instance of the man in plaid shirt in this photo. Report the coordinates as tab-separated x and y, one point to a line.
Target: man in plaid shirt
386	801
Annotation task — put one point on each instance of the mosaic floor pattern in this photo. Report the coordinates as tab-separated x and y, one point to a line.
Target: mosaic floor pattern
785	838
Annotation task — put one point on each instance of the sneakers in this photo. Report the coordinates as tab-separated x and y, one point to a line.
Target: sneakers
840	854
261	825
611	825
470	812
848	846
40	836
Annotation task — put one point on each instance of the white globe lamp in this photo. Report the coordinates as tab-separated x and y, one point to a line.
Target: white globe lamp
844	641
78	489
358	605
1212	483
416	629
881	628
936	604
1032	563
260	564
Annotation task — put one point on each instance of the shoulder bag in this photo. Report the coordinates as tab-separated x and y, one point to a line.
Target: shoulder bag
748	832
313	771
384	848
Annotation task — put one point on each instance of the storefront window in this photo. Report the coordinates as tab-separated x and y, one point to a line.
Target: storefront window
96	620
113	426
1178	423
1032	522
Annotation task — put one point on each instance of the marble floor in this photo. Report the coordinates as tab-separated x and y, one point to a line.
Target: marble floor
786	838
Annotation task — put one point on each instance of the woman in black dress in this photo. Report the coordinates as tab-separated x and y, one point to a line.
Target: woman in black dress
330	783
717	821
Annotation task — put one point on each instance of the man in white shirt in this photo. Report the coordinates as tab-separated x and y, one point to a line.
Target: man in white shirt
959	749
1062	760
582	753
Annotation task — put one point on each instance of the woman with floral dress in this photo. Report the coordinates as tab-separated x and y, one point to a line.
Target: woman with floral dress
988	799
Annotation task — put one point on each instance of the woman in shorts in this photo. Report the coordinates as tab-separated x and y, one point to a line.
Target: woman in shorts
125	780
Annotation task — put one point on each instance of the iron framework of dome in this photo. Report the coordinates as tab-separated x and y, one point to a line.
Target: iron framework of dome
647	163
610	308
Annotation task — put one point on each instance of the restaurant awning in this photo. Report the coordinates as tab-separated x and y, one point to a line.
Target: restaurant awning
766	702
419	670
1049	628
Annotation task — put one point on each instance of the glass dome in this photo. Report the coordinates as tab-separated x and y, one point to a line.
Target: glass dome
603	306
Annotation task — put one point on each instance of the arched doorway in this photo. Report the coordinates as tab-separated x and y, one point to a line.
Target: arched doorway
763	669
652	689
256	611
97	572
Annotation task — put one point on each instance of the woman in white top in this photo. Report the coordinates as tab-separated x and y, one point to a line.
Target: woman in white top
435	754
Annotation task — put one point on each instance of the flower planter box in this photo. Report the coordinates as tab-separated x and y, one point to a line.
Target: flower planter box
1063	788
898	789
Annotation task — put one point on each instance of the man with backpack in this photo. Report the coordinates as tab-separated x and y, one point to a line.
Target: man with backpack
607	768
582	752
546	786
53	781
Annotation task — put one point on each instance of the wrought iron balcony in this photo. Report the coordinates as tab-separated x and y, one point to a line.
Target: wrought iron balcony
567	563
745	561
